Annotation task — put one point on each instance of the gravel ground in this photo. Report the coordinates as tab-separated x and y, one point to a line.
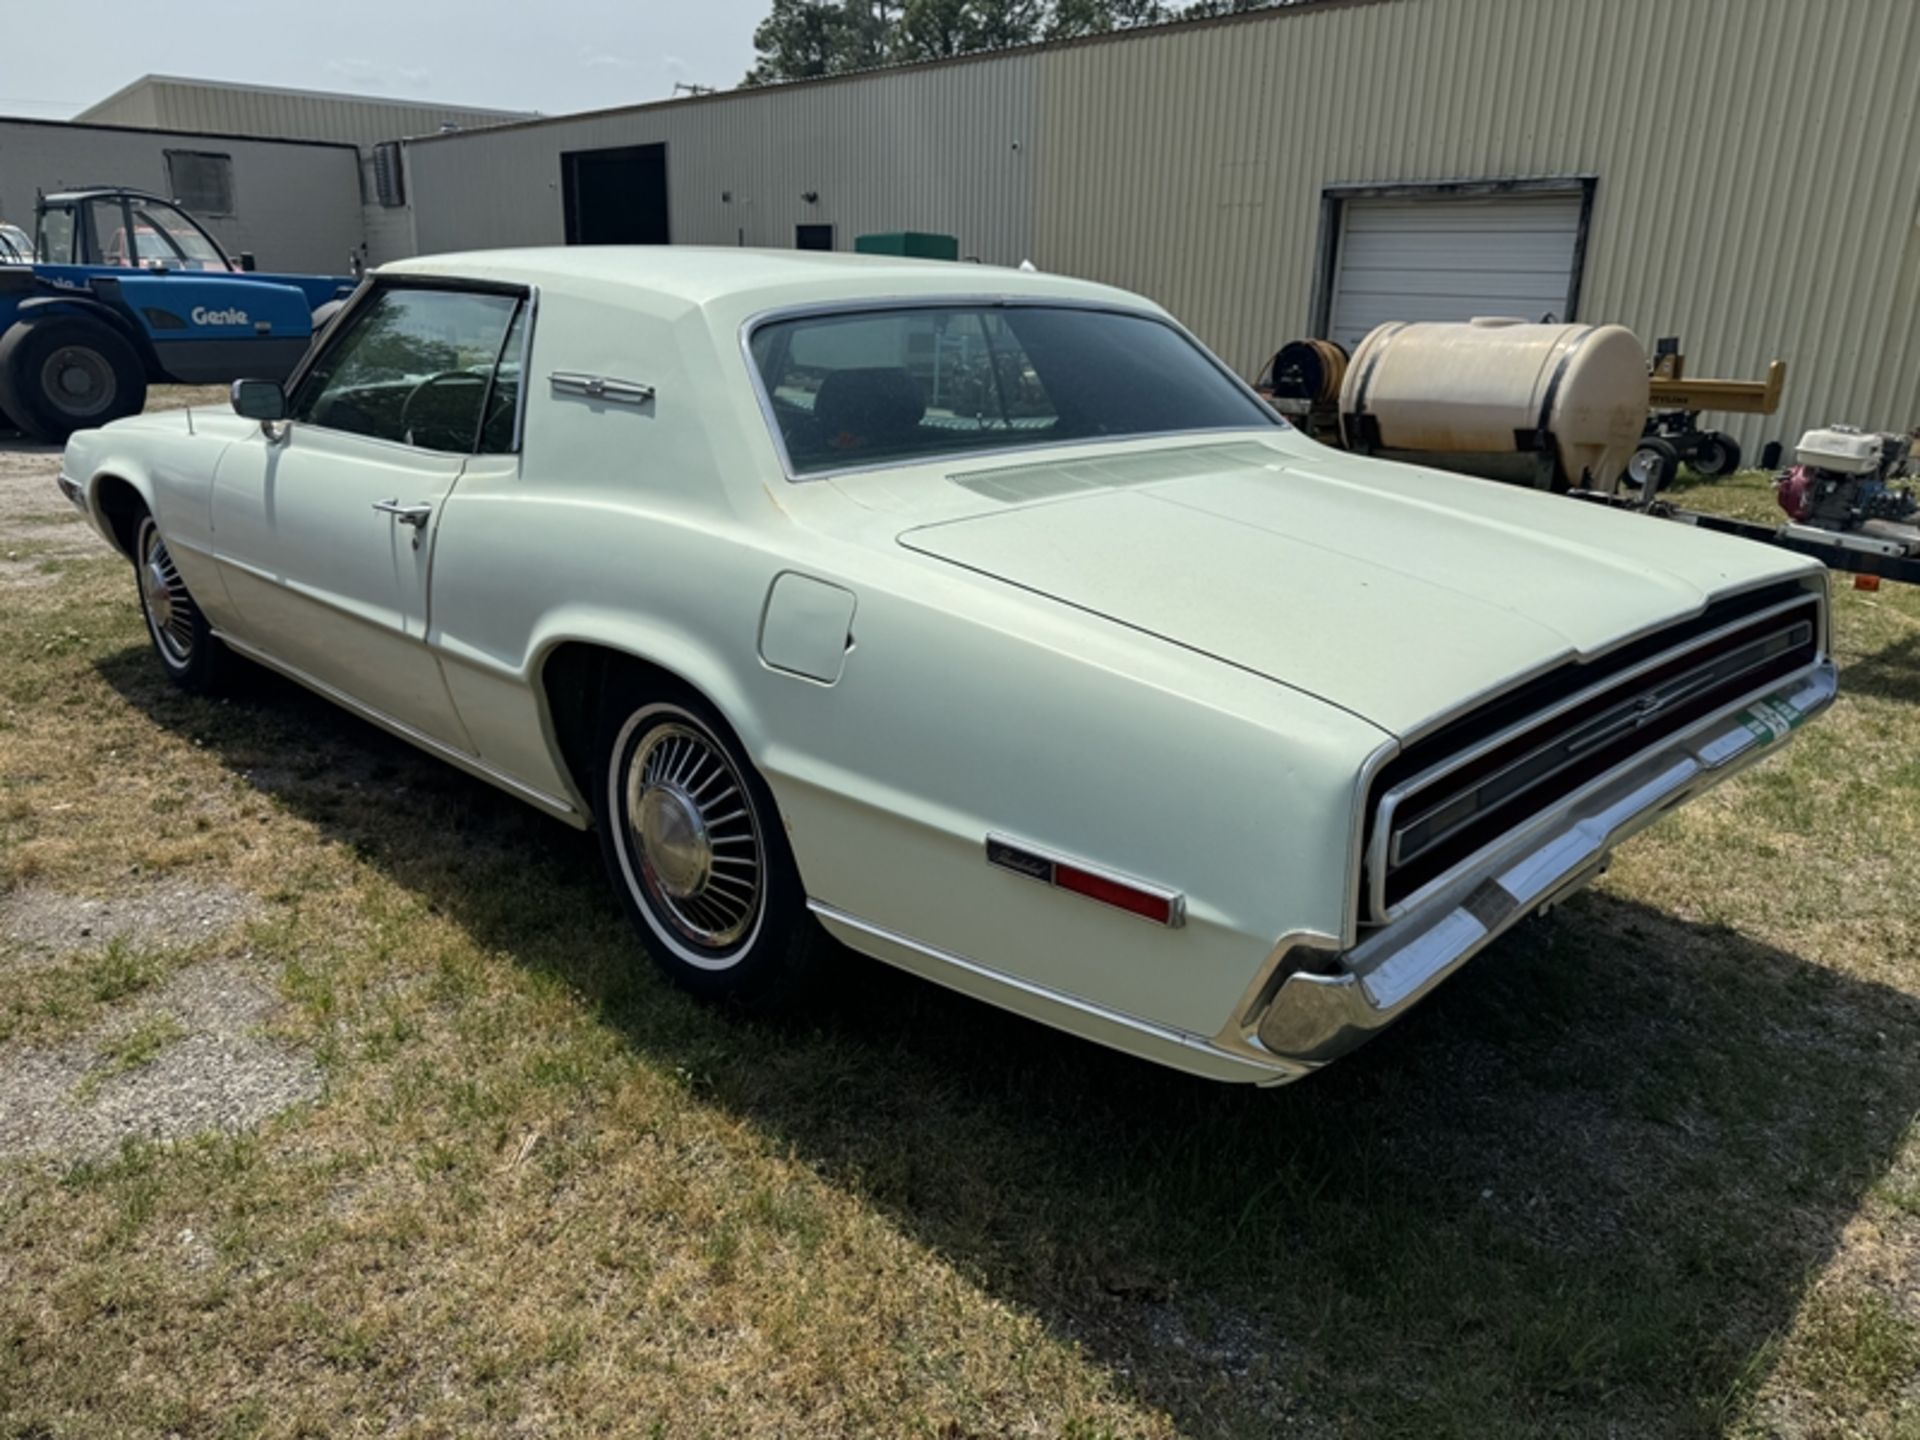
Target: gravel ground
213	1071
187	1057
40	923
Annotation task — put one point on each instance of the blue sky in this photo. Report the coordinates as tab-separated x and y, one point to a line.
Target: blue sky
576	55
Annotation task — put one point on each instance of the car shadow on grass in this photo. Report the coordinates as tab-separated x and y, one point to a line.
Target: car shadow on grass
1890	673
1580	1191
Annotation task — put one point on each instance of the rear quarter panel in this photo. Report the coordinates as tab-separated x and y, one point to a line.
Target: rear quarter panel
964	707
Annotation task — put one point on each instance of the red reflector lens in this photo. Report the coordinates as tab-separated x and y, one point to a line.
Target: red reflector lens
1866	582
1143	903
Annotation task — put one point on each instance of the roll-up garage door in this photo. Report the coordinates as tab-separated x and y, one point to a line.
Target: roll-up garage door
1448	259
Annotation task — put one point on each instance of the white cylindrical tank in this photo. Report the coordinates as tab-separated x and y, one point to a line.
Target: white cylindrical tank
1551	405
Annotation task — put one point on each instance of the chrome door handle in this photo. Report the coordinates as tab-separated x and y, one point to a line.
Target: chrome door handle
414	515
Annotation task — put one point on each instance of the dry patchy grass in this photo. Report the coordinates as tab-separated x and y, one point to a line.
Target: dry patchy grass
1648	1168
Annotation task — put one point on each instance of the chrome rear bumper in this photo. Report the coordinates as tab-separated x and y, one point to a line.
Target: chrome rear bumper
1316	1017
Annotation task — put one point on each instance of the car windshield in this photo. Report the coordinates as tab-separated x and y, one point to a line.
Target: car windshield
872	387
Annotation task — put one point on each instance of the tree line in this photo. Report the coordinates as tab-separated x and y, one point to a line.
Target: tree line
801	39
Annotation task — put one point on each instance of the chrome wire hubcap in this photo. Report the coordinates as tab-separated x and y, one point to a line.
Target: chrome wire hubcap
79	380
691	826
169	606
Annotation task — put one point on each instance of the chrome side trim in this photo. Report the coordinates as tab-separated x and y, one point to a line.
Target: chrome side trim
600	387
1164	1034
472	764
1314	1018
1375	865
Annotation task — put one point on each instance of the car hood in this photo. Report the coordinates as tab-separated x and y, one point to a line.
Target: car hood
1396	593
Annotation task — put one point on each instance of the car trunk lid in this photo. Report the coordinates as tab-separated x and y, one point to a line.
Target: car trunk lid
1395	593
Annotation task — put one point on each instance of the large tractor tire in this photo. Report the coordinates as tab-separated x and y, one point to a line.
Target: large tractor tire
66	373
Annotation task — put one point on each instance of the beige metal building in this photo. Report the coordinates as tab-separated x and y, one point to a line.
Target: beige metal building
1742	173
373	125
295	205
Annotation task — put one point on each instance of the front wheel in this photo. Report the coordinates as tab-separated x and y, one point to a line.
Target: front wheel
63	373
189	651
695	848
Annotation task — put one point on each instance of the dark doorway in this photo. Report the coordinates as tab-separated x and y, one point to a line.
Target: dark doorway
616	196
813	237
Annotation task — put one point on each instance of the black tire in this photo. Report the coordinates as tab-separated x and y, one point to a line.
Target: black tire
1653	459
189	651
704	870
67	373
1716	455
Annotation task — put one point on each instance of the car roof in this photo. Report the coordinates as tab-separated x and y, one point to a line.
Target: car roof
703	275
91	192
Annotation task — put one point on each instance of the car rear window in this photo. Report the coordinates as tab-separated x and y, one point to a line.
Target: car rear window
875	387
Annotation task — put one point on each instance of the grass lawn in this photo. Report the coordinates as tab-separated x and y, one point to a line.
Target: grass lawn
1650	1167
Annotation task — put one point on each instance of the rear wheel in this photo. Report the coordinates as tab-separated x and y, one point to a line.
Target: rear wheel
1716	455
695	848
66	373
189	651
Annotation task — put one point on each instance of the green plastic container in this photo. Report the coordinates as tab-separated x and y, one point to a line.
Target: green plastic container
916	243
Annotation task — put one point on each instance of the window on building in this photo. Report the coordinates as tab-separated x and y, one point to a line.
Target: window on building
201	180
813	237
389	175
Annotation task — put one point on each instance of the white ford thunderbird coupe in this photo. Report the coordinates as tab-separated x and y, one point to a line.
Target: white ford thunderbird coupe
980	619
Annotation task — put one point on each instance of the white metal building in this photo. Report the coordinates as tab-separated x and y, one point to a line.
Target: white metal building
1744	174
294	204
372	124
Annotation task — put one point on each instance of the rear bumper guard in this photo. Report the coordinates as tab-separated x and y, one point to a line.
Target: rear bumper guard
1314	1018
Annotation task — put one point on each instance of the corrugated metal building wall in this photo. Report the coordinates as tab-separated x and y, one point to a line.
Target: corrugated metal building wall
296	204
172	102
1755	167
944	148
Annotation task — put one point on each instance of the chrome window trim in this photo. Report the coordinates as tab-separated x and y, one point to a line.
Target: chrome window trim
527	294
982	301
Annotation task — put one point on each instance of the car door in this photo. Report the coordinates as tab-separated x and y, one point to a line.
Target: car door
324	524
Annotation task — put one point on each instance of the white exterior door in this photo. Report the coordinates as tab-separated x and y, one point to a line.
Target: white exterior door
324	529
1453	259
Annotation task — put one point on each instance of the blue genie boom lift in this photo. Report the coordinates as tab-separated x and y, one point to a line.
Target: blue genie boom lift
124	290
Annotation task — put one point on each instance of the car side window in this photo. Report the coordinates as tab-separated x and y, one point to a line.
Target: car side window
412	366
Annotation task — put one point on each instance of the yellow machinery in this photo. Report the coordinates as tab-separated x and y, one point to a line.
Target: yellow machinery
1673	435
